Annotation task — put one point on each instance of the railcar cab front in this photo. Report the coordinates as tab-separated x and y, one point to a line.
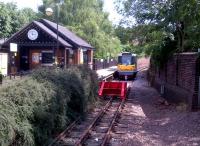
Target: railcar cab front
126	67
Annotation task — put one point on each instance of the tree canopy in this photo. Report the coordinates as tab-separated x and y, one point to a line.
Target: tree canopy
157	20
88	20
12	19
84	17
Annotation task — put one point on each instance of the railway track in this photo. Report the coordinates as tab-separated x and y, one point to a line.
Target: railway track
95	130
98	127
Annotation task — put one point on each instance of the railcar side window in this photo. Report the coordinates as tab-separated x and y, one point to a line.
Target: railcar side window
119	59
133	60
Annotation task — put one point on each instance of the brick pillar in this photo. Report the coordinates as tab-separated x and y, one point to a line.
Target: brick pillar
78	56
90	58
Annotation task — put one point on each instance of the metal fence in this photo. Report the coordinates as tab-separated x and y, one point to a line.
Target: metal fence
103	63
97	64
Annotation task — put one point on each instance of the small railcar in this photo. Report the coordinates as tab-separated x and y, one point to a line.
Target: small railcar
126	67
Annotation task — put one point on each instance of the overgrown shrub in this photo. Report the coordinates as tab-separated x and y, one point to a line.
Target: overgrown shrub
162	52
38	107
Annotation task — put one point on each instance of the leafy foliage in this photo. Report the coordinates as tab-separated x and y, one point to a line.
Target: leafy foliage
87	19
163	52
37	107
84	17
12	19
174	19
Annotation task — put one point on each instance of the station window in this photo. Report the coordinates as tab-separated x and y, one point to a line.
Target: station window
47	57
71	56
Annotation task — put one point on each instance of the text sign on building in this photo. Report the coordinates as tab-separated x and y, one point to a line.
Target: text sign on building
35	58
13	47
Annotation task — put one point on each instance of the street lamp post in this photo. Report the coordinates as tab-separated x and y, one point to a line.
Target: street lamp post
49	12
57	17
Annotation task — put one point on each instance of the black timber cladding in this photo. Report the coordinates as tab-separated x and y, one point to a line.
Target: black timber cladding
51	33
2	50
66	38
20	37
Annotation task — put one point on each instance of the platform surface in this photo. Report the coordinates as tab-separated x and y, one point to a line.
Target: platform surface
106	72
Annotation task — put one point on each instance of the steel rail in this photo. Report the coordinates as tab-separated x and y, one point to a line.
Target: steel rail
108	77
143	68
69	128
87	131
107	135
72	125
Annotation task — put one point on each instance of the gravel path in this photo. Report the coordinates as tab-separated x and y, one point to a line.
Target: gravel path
150	123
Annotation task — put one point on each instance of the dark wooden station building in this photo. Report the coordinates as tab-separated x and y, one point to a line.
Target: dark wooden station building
40	43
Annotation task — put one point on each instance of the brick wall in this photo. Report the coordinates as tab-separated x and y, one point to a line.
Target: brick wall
143	62
180	78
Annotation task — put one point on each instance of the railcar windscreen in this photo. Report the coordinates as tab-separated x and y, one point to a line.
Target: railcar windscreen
126	60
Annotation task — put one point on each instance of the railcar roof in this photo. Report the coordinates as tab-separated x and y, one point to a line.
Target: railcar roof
127	53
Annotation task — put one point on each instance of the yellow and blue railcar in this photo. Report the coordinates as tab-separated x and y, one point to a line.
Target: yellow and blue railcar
126	66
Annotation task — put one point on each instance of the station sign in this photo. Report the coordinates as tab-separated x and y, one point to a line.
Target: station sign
13	47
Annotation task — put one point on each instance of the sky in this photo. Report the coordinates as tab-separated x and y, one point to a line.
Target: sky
108	7
25	3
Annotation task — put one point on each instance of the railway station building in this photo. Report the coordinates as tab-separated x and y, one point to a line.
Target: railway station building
42	43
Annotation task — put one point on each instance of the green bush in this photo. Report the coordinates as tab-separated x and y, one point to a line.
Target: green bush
40	106
162	52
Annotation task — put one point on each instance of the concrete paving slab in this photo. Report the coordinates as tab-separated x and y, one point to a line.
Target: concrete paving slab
105	72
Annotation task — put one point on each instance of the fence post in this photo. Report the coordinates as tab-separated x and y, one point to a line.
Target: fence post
1	78
102	63
177	69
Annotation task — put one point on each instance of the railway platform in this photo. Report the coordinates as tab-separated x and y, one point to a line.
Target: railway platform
106	72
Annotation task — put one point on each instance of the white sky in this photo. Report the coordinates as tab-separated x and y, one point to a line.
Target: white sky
108	7
25	3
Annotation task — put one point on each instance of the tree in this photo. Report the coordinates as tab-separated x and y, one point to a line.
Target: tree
5	21
176	17
87	19
12	19
178	20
